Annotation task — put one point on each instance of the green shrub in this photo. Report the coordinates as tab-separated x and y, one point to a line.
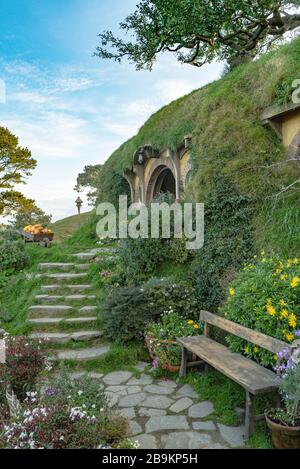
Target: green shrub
179	296
10	234
126	313
265	297
13	256
128	310
228	242
162	334
140	258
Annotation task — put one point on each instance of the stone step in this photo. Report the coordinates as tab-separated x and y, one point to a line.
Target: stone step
65	267
63	337
57	321
83	354
88	309
63	276
61	311
49	310
53	298
71	288
86	256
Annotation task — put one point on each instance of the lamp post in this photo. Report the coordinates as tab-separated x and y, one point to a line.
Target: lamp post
78	203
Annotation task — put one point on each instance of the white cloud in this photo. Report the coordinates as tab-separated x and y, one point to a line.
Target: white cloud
171	89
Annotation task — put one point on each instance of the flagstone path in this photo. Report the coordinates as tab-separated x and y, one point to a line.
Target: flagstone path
163	414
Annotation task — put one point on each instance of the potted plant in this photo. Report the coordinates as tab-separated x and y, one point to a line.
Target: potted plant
284	422
161	339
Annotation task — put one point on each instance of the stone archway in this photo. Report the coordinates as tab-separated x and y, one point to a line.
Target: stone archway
162	179
155	172
294	148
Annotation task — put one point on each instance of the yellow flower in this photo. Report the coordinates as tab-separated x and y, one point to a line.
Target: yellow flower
196	326
271	310
293	321
247	349
256	349
191	322
289	337
296	261
282	303
284	314
275	358
283	277
231	291
295	282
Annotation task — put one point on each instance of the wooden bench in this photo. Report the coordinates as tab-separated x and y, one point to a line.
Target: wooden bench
254	378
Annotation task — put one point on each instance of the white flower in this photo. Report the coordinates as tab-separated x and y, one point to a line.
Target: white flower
80	393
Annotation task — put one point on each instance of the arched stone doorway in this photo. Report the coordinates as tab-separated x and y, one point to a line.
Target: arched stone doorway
155	172
165	183
162	180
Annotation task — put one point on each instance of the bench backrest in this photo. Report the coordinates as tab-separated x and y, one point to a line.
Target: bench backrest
257	338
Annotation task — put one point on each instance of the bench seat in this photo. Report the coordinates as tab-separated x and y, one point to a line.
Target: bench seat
251	376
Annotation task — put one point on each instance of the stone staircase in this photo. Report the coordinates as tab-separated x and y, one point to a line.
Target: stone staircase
65	312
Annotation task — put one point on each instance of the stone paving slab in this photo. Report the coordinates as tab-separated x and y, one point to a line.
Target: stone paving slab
174	420
81	355
170	422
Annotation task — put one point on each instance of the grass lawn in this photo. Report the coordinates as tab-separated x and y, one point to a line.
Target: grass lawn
64	229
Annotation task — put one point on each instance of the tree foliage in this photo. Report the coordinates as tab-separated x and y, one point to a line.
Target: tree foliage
31	216
88	179
16	163
200	31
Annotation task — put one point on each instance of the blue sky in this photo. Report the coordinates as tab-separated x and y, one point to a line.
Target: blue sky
67	106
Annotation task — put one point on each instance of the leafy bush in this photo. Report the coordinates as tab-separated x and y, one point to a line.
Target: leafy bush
13	256
25	361
140	258
128	310
228	242
67	414
179	296
126	313
162	335
265	297
10	234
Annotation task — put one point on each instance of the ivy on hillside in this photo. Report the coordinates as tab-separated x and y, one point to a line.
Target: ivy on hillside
229	241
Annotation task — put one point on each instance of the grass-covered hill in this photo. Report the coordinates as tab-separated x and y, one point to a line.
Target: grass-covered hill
65	228
224	119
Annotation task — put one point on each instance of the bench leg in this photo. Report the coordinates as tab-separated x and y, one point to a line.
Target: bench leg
184	359
250	418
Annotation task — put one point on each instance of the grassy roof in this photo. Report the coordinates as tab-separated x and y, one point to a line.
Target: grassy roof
224	119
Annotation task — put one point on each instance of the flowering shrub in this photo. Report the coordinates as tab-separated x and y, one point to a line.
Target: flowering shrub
265	297
68	414
54	426
25	360
288	366
162	336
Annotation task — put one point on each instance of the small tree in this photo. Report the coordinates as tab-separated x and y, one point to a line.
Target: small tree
200	31
30	216
88	179
16	163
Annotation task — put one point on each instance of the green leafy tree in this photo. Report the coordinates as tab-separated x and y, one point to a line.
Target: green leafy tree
31	216
200	31
88	179
16	163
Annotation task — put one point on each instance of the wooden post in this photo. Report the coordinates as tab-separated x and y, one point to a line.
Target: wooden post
250	419
184	358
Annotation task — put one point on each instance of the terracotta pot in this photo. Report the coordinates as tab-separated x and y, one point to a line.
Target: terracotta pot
152	344
171	368
284	437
